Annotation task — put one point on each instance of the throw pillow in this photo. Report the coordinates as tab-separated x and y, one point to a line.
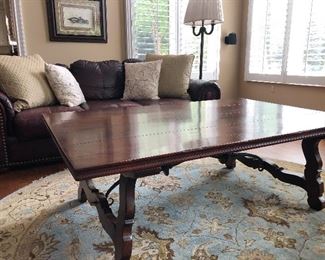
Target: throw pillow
23	79
175	74
99	80
141	80
64	85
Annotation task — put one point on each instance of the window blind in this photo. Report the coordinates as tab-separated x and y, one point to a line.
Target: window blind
286	41
150	27
307	39
268	31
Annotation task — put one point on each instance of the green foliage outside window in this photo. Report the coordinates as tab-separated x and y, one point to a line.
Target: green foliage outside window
151	27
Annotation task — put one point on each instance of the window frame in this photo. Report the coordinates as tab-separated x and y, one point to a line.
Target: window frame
283	78
128	26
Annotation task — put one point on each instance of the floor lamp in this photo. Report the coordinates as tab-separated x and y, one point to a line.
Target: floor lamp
200	13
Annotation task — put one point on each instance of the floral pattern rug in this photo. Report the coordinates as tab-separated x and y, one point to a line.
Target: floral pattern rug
201	211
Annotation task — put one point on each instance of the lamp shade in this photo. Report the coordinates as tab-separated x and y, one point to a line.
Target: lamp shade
208	11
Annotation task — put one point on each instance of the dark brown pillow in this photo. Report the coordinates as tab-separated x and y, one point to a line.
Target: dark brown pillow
99	80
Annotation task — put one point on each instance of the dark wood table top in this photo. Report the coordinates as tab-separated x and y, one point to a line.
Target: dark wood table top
99	143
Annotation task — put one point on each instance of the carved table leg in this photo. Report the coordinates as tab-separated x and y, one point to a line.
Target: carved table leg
125	219
81	194
228	160
119	228
313	168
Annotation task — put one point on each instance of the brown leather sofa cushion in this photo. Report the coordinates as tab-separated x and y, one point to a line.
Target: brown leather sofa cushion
107	104
29	125
162	101
99	80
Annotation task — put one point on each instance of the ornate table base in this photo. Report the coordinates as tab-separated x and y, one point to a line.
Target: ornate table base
120	227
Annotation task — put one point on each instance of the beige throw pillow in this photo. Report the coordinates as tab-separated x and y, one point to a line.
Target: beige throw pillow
142	80
64	85
175	74
23	79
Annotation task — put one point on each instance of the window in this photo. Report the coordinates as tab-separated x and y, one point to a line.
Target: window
156	26
3	29
286	42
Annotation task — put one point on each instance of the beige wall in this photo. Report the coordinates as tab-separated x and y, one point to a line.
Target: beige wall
4	50
230	54
302	96
37	36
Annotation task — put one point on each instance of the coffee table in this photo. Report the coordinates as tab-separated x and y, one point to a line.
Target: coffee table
142	141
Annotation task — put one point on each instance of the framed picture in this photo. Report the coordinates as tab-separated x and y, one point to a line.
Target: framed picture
77	20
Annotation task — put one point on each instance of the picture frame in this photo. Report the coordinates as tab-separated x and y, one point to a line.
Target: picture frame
77	20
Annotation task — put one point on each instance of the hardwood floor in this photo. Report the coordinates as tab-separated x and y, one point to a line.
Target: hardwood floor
291	152
13	180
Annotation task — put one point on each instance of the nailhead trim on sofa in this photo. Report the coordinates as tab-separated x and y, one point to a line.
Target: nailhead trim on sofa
3	139
35	161
4	162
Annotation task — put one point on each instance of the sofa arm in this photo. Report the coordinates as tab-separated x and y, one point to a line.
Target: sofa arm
8	109
203	90
8	106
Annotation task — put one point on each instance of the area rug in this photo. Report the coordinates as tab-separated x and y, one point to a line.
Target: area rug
201	211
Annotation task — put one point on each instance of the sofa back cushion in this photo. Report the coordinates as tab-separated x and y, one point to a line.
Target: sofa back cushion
23	80
99	80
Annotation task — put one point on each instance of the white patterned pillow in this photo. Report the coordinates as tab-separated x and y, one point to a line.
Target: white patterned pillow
142	80
64	85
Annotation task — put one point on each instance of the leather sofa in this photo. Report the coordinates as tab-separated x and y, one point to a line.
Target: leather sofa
24	139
